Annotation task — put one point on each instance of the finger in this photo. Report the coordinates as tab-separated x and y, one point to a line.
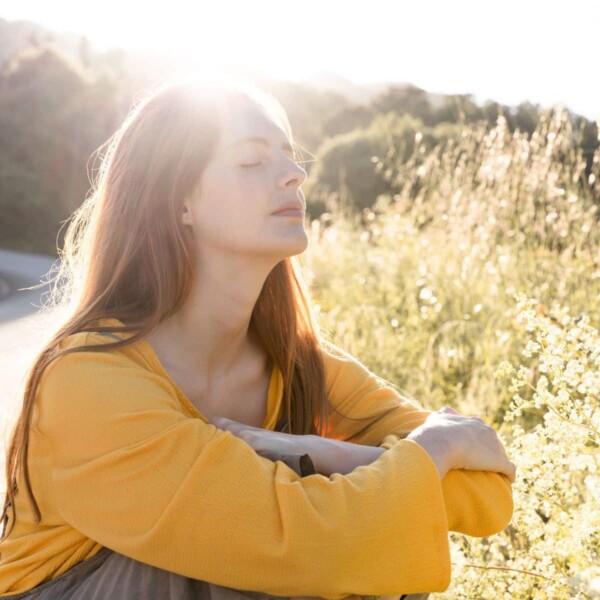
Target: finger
219	422
248	436
513	472
227	424
232	423
510	470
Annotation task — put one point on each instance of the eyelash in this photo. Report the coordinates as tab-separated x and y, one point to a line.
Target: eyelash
260	163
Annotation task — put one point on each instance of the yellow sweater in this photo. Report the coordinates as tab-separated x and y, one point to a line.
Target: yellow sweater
119	457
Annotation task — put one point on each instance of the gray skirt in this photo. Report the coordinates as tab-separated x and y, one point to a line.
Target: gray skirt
109	575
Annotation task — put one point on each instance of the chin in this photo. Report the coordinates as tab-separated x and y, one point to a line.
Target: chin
303	243
295	247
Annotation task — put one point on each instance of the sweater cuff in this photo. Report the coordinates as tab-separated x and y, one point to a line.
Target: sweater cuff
302	464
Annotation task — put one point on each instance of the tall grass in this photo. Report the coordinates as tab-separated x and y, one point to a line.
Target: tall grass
487	255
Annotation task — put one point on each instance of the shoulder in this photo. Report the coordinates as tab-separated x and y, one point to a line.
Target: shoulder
348	379
346	376
93	341
333	351
338	362
90	379
83	354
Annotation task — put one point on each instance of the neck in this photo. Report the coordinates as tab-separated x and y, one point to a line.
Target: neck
210	334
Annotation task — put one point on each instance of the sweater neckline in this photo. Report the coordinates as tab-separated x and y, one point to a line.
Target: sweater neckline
274	395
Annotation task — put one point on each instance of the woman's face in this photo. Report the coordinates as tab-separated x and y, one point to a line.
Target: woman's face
244	183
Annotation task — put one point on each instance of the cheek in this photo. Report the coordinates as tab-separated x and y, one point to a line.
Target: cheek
233	211
237	189
231	201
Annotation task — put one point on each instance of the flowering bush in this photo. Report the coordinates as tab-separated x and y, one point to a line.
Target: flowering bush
551	549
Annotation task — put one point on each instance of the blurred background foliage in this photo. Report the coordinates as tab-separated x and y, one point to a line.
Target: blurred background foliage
60	101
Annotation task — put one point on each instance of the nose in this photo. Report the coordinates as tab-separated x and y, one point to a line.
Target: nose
294	174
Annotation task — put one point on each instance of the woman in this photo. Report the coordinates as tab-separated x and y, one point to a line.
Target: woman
166	424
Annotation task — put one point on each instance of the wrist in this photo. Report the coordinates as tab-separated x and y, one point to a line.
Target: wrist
358	455
336	456
438	453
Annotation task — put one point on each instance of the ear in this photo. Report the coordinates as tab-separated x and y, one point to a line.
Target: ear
186	215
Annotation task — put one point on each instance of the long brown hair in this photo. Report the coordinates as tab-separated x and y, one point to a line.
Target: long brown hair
127	256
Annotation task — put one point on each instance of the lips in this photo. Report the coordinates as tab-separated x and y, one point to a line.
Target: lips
289	206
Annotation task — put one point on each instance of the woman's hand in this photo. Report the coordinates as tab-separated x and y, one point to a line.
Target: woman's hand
265	440
459	442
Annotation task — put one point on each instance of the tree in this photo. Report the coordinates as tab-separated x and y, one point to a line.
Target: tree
52	118
409	99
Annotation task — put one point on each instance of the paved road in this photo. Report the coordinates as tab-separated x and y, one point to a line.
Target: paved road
22	330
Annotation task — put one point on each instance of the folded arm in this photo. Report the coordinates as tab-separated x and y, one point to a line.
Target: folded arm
478	503
134	472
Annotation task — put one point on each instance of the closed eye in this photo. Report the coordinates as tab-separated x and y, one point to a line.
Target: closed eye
260	163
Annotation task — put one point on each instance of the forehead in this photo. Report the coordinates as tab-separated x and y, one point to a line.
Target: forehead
244	119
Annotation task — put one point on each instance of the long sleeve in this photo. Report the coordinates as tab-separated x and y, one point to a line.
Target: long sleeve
132	471
478	503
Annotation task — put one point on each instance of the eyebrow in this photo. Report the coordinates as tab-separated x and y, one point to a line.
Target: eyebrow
260	140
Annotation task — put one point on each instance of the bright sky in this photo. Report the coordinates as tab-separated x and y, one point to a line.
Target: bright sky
545	51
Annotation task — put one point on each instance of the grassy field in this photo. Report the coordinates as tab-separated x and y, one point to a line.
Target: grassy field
477	284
